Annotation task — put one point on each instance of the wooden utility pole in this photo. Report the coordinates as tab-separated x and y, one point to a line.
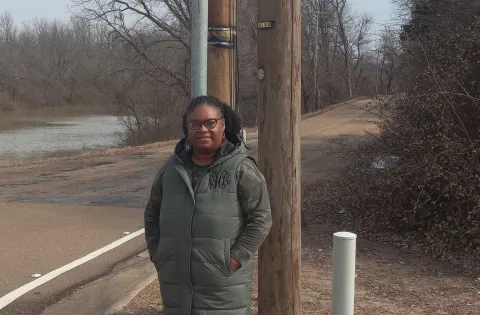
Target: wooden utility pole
279	60
221	53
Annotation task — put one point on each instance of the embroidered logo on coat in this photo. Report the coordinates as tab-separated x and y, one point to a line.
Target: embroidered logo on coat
218	180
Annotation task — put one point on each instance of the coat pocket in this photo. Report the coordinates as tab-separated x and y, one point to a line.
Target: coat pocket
164	253
226	253
210	263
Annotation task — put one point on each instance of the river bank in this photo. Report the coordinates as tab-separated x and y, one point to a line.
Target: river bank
38	117
29	135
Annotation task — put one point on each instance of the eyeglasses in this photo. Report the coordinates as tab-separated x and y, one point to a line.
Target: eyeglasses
209	123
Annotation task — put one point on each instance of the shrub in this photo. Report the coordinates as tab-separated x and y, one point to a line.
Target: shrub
429	142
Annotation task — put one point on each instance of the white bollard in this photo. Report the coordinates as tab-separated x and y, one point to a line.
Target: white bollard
343	284
244	135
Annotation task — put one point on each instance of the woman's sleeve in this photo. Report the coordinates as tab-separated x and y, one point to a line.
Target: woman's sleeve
152	214
255	203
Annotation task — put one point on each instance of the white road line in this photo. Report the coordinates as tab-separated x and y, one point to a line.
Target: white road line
335	124
329	111
12	296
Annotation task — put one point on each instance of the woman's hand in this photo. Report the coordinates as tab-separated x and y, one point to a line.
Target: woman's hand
234	264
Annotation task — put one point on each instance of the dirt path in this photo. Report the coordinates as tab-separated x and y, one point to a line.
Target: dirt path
389	280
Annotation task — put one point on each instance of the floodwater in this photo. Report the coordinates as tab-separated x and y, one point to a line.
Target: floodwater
59	137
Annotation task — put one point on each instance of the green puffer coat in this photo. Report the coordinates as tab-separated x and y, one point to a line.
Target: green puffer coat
192	232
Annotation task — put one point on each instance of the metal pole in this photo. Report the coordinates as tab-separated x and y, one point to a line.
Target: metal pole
344	247
376	76
199	47
315	62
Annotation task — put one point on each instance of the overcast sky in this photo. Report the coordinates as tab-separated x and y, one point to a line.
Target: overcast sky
25	10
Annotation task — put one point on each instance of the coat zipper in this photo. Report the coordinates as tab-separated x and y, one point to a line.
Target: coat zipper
191	223
193	193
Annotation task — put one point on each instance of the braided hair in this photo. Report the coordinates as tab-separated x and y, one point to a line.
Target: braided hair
233	123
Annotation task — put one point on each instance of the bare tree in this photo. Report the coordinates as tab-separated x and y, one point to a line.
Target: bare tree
148	26
326	30
388	54
8	30
360	40
320	14
337	64
342	20
353	35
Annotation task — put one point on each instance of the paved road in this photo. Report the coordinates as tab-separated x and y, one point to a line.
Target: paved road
55	213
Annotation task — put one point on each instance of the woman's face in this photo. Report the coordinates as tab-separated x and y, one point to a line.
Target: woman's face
206	128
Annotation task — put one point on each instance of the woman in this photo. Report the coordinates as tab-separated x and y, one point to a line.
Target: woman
207	215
